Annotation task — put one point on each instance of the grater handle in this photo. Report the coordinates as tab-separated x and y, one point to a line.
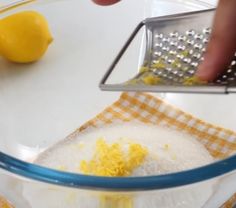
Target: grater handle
102	83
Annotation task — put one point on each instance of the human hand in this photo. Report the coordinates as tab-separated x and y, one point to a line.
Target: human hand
222	45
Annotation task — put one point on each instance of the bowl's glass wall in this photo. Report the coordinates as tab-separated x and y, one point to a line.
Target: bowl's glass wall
32	194
43	102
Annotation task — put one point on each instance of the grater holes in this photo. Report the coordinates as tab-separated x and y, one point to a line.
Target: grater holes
207	31
233	63
190	42
164	57
229	71
159	45
173	43
198	46
198	37
168	69
165	48
172	52
224	77
175	72
157	54
190	52
190	33
196	55
165	75
181	47
158	72
191	72
194	64
180	56
181	74
170	77
165	40
182	38
174	34
185	68
170	61
159	36
187	60
205	40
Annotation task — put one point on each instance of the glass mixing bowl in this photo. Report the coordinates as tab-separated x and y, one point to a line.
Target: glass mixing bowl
42	103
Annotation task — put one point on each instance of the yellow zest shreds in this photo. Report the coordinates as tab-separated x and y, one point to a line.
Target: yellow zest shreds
136	156
151	79
176	64
143	69
116	201
110	160
159	65
166	147
132	82
193	81
185	53
173	157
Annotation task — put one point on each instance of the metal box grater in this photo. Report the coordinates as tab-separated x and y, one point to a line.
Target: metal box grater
175	46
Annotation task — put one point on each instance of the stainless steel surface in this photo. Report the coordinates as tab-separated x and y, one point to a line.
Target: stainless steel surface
175	46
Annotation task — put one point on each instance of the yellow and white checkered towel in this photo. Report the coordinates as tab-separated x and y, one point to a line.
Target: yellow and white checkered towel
145	108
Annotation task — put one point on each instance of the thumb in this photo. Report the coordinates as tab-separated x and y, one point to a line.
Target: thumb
222	45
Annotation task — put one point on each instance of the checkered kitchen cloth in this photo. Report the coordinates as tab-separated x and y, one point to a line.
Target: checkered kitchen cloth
145	108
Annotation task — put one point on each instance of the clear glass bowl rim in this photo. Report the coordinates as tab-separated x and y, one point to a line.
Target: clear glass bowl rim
171	180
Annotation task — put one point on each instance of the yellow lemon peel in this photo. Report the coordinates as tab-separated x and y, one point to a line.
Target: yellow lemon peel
159	65
193	81
143	69
24	37
116	201
111	160
151	80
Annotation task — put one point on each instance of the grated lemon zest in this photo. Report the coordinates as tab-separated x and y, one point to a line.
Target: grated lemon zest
192	81
116	201
110	160
143	69
151	80
166	147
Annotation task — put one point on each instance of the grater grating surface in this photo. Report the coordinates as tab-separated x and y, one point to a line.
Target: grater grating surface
175	46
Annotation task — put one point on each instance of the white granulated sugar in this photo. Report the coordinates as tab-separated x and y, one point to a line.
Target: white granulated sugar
168	150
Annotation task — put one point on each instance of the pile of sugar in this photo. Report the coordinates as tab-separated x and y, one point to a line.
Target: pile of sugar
168	150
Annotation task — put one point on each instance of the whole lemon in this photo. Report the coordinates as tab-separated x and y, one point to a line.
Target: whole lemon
24	37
